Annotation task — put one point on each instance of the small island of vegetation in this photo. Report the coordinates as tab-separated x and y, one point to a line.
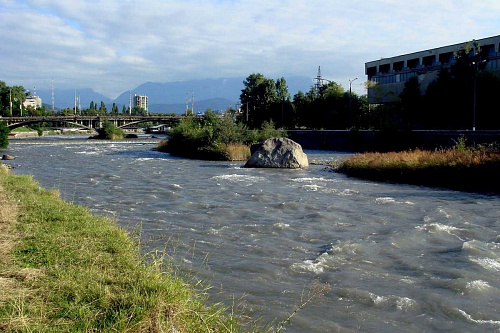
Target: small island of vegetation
108	131
461	167
215	137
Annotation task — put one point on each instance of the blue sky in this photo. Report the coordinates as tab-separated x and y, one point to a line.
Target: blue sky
112	46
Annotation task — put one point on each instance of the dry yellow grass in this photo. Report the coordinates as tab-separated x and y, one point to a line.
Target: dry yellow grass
467	168
237	152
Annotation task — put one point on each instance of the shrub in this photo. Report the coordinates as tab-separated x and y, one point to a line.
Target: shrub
4	134
215	138
109	131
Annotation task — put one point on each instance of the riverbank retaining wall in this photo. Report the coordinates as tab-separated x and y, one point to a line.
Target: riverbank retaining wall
383	141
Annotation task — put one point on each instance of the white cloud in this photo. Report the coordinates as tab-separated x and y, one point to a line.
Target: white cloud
115	45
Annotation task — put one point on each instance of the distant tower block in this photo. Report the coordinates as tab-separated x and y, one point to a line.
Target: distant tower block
141	101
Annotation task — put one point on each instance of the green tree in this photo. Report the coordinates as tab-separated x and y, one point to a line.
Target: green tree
109	131
15	95
102	110
138	111
67	112
4	134
258	97
282	90
114	110
464	92
411	103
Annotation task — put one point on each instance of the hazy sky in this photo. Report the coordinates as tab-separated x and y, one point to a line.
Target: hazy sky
114	45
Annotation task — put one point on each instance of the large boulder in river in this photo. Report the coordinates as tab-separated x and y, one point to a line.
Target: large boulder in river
277	153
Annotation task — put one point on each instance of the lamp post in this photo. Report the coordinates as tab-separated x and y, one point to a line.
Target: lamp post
350	102
477	64
246	97
10	101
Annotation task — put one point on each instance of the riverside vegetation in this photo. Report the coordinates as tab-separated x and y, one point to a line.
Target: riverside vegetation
63	269
109	131
462	167
215	137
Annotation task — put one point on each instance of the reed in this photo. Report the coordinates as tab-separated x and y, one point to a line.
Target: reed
237	152
465	168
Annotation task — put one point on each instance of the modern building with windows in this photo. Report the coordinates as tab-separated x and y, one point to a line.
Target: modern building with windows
33	101
141	101
387	76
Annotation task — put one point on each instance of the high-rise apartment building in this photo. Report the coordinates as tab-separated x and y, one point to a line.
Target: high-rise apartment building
141	101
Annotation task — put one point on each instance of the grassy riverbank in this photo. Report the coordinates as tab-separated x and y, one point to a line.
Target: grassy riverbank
462	168
63	269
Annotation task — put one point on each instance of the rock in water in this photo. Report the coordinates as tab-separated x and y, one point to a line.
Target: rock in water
8	157
277	153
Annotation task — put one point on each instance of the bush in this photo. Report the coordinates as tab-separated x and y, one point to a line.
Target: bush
215	138
4	134
109	131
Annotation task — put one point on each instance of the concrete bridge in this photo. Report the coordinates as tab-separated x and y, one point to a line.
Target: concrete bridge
91	122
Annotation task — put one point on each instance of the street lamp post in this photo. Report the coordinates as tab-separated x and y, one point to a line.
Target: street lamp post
350	102
246	97
10	101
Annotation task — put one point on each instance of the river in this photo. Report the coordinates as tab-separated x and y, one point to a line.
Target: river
396	257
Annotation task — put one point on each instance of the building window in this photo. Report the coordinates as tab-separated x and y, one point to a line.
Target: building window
386	79
487	51
413	63
406	76
428	61
398	65
385	68
371	71
445	58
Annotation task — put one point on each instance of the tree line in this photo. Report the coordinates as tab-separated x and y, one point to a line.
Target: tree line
462	97
328	106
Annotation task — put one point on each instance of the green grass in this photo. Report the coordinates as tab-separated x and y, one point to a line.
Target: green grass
462	168
23	129
64	270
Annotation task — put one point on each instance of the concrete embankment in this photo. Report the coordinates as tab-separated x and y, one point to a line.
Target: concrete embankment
370	141
33	134
19	135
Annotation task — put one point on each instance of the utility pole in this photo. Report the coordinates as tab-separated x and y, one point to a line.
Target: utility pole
52	87
130	102
192	102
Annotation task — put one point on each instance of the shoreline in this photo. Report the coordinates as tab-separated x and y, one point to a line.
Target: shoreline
63	267
462	169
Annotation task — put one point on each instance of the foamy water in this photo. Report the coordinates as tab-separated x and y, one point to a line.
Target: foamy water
397	258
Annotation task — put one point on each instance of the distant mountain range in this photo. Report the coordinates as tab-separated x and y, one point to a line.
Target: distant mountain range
217	94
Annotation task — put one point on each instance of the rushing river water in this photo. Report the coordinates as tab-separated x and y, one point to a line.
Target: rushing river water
397	257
